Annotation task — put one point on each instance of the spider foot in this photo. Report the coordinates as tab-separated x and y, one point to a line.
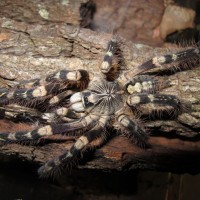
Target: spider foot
139	138
133	131
56	166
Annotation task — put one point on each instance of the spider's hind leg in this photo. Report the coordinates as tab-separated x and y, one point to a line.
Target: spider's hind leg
132	130
154	103
69	156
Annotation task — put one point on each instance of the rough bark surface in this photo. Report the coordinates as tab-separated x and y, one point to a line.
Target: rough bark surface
29	51
42	12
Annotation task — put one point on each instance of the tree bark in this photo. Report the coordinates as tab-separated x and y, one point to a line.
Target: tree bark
31	51
42	12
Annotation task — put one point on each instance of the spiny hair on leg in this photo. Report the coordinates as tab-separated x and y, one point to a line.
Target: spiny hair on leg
76	78
53	84
176	60
56	166
151	111
132	129
107	61
61	114
113	60
155	105
16	112
75	151
68	75
68	160
57	99
27	135
158	99
28	94
142	84
63	128
68	157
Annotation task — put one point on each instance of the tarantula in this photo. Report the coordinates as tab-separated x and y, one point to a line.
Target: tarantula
88	104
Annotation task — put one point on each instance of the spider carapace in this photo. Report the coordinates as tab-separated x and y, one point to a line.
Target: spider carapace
89	104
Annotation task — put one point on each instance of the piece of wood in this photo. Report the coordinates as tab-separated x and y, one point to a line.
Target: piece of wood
29	51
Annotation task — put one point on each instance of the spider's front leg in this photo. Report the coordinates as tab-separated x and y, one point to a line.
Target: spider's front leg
143	84
52	85
62	114
45	94
183	58
79	77
142	89
79	102
107	68
91	138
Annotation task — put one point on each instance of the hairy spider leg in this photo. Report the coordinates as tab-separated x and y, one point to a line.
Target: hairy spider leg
15	111
61	114
142	84
55	109
61	80
60	76
28	84
157	103
107	61
132	130
53	166
60	97
50	104
160	61
64	128
79	77
28	94
159	99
